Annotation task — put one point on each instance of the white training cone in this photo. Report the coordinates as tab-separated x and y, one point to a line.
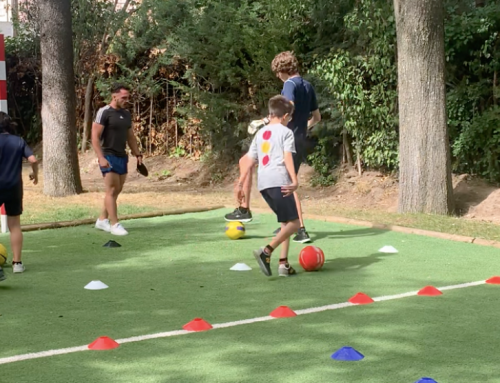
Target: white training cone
387	249
241	267
96	285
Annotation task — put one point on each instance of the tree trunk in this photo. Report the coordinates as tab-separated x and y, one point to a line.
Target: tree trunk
15	15
60	158
87	119
425	167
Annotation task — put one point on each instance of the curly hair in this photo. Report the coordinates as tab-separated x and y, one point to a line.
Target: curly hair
285	62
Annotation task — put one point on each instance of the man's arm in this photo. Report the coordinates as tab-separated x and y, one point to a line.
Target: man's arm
96	144
34	167
132	142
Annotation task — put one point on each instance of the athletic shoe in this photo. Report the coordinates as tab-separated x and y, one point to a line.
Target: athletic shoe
239	216
285	270
18	267
103	224
277	231
264	261
302	236
2	275
118	229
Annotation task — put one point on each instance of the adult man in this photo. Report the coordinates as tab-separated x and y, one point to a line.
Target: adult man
12	151
111	131
301	93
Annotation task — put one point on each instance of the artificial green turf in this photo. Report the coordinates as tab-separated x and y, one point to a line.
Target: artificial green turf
171	270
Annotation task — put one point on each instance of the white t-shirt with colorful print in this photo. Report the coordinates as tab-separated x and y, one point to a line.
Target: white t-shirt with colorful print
268	148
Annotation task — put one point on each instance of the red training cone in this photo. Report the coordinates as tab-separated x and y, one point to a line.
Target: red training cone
103	343
493	281
283	312
197	324
430	291
361	299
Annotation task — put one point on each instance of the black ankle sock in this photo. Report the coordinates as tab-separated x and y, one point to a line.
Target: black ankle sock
16	263
244	209
269	250
284	261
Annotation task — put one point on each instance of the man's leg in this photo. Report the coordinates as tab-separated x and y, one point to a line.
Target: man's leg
113	186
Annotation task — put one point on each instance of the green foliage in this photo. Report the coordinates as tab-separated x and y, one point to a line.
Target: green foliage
473	56
362	83
323	162
200	70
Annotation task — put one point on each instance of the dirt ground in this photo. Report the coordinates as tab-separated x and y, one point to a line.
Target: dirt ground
176	183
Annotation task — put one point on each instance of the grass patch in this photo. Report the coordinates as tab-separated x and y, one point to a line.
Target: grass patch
52	213
170	270
432	222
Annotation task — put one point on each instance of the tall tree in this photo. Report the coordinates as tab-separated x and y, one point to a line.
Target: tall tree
425	167
60	157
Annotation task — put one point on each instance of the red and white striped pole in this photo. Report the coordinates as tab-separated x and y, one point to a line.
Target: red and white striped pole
3	108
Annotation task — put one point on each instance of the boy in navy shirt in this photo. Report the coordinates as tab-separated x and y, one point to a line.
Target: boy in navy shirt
301	93
12	151
273	148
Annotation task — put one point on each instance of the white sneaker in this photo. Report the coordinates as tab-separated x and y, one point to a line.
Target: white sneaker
118	229
103	224
18	268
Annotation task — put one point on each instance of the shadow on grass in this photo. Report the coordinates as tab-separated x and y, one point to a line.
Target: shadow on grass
401	340
317	235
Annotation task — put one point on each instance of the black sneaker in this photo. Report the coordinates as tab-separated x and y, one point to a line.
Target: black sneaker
239	216
2	275
302	236
277	231
264	261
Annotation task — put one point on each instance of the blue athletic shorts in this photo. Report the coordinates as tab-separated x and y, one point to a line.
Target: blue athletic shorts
119	165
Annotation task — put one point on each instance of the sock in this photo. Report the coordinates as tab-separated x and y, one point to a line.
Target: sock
17	263
243	209
284	261
268	250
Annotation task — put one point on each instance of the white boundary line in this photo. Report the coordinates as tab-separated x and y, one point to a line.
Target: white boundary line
69	350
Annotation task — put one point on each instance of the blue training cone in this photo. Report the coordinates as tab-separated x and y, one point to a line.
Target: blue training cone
426	380
347	354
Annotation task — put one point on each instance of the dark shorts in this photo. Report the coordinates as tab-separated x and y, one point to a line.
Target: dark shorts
13	200
119	165
285	208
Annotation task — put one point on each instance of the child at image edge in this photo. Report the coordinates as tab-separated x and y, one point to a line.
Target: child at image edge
272	148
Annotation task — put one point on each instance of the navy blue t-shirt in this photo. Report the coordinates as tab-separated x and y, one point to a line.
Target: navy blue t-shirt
12	151
302	94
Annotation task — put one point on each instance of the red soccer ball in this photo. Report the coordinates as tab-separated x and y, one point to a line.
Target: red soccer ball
311	258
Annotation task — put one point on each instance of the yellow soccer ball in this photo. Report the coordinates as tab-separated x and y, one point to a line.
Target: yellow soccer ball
235	230
3	255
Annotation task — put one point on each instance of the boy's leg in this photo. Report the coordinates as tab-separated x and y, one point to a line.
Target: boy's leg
302	235
16	242
286	210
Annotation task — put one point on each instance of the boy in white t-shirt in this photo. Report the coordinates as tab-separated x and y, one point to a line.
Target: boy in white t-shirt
272	148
